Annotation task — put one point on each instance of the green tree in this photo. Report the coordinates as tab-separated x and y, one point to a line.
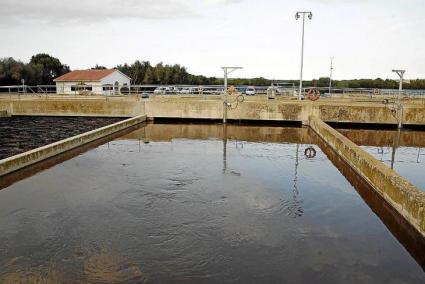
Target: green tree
51	67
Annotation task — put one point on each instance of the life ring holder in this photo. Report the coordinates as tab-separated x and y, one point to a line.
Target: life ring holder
313	95
310	152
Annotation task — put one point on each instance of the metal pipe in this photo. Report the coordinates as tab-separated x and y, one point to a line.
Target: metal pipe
302	61
297	16
330	76
400	73
225	103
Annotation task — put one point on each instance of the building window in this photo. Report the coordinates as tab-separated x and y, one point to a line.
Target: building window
81	88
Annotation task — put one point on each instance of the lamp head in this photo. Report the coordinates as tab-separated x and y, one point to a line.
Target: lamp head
297	16
310	15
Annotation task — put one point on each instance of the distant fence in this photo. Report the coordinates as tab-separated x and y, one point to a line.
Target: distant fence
208	90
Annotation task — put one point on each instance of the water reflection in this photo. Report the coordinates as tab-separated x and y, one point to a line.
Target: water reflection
402	150
404	232
203	203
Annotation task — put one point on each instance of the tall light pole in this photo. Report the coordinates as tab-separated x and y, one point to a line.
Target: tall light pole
227	71
330	76
400	73
297	16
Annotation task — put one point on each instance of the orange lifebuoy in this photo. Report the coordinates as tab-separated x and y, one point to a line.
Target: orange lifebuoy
313	95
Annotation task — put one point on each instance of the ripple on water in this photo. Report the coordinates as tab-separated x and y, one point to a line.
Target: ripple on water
103	266
107	267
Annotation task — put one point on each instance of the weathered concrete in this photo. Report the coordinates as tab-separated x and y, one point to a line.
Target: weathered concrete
406	234
407	199
33	169
19	161
211	107
74	106
349	111
4	113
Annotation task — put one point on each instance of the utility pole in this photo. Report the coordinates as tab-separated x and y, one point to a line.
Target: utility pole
330	76
227	71
400	73
297	16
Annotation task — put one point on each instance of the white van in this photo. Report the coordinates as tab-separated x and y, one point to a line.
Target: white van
250	91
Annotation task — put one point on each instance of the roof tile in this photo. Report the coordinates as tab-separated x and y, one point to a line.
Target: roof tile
85	75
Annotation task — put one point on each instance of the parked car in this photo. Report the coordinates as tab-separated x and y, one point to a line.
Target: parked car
250	91
160	91
186	90
173	90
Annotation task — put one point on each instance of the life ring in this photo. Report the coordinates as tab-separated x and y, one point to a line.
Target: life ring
310	152
313	95
240	98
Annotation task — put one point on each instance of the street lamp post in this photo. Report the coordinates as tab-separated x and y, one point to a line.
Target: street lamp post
330	76
297	16
227	71
400	73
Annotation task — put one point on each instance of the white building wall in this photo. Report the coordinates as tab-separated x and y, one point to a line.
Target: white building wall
60	88
116	76
97	86
65	88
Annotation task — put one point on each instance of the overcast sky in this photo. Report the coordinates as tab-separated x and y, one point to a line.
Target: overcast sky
368	38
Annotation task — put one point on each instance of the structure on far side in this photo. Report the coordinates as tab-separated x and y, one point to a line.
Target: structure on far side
98	82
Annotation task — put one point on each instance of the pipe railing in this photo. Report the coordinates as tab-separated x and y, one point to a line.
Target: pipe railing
210	90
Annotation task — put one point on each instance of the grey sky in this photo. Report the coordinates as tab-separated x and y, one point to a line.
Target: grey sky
367	38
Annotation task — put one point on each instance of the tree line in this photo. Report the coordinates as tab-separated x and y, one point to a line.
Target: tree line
43	69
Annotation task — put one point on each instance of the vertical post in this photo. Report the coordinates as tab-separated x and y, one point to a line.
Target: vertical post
225	103
302	61
297	16
400	73
24	91
400	107
330	77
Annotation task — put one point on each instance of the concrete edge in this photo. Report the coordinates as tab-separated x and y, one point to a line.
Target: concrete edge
404	197
28	158
4	113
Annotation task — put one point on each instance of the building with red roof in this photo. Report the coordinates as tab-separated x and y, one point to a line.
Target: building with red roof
99	82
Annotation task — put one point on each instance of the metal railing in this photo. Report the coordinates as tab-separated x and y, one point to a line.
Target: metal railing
207	90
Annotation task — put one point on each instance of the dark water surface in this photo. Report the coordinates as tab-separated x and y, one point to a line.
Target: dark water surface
202	204
404	151
19	134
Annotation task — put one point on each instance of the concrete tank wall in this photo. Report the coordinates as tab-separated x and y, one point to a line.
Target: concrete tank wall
75	106
211	107
286	110
406	198
31	157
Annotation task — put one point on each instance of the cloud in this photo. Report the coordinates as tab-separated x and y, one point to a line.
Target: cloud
64	11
